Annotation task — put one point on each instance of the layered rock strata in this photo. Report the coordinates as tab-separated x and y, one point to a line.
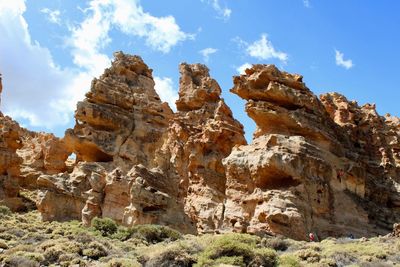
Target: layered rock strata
200	135
323	165
10	142
10	162
305	170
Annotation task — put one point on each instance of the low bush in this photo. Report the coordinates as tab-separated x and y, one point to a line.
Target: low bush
239	249
4	211
276	243
105	226
288	261
310	255
123	262
176	255
18	261
154	233
95	250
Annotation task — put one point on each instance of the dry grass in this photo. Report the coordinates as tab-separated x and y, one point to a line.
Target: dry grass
27	241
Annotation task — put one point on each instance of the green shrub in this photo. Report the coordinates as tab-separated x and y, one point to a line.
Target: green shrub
238	248
288	261
105	226
17	261
95	250
52	254
275	243
154	233
4	211
123	262
173	256
310	255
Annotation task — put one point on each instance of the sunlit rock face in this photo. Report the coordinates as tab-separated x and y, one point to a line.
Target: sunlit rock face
315	164
325	166
200	135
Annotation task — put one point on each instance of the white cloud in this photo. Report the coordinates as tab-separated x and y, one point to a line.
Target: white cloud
206	52
264	50
165	89
52	15
223	12
340	61
241	69
160	33
38	90
32	82
307	3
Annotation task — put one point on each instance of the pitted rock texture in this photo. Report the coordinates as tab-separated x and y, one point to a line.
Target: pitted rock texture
122	118
10	141
200	135
305	170
41	153
156	167
323	165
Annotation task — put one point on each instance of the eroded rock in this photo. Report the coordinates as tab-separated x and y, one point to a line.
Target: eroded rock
302	172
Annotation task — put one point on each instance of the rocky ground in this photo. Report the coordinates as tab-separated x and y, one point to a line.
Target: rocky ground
27	241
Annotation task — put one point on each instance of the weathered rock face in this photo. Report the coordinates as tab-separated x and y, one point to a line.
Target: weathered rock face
139	162
322	165
10	141
9	163
41	153
122	118
200	135
304	171
120	124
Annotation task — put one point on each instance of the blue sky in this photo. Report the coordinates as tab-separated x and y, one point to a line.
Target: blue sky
51	49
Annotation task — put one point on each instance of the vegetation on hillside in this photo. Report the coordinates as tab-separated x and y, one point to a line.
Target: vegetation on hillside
27	241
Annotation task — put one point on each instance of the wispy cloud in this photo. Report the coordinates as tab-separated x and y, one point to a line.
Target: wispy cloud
223	12
52	15
307	3
206	52
241	69
165	89
340	61
30	97
263	49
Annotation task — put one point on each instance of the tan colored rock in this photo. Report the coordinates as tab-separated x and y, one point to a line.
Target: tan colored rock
122	118
303	172
9	163
41	153
326	166
10	141
201	134
396	230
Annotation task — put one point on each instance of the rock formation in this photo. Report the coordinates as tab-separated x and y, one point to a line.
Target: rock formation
322	165
200	135
305	170
41	153
137	162
9	163
119	125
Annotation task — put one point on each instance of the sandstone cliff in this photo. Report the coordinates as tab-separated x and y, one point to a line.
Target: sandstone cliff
322	165
305	170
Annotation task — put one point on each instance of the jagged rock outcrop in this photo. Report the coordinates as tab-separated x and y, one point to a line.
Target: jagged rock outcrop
41	153
10	141
323	165
10	162
120	124
140	163
304	171
122	118
200	135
